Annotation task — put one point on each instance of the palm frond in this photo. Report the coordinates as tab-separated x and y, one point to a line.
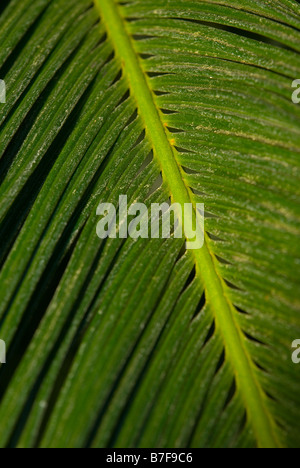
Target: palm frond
141	342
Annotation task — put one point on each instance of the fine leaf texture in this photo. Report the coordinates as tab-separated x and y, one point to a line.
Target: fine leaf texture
141	342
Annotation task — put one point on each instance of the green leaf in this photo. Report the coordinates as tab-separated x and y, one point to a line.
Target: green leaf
142	342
